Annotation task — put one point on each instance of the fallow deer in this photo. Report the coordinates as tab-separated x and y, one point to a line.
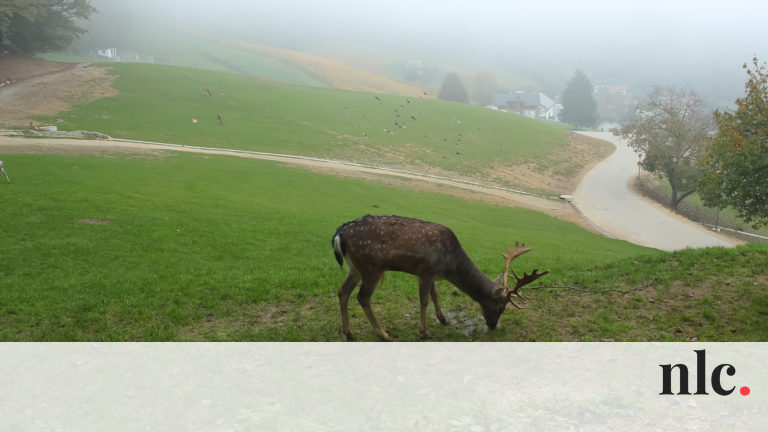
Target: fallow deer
2	170
372	245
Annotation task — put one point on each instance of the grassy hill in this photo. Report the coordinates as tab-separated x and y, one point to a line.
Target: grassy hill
193	247
174	44
333	73
158	103
162	43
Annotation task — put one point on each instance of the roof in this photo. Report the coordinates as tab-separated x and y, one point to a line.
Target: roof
526	99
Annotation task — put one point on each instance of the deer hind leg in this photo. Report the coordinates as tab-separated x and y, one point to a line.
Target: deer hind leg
353	278
438	311
370	283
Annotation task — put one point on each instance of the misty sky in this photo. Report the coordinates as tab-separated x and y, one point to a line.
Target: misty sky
640	43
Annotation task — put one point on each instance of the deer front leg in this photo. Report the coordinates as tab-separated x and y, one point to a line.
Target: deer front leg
353	278
426	289
364	298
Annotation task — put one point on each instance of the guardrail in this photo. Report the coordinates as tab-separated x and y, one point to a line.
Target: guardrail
718	228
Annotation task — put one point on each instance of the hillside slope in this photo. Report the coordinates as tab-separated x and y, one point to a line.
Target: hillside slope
158	103
152	245
335	74
161	246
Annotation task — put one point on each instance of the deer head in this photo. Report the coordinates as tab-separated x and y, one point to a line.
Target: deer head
494	307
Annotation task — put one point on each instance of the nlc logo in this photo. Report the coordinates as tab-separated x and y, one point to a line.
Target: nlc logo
701	377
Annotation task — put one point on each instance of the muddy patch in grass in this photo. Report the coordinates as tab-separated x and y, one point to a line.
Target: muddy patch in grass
268	317
95	221
467	322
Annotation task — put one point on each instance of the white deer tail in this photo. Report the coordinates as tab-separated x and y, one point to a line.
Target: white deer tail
338	250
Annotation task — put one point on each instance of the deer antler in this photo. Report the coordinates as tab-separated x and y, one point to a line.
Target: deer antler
525	280
510	255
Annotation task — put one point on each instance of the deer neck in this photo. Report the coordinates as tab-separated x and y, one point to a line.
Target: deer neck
468	278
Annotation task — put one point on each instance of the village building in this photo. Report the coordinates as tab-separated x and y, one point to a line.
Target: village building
531	104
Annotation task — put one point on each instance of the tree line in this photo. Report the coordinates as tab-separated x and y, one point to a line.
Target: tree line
32	26
722	155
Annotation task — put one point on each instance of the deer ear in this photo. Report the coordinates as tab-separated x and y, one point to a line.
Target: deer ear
499	281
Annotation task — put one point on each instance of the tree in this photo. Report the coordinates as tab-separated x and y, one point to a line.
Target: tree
484	87
578	104
668	131
32	26
453	89
736	162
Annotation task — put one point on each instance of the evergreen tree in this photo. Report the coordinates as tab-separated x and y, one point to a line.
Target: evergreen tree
579	106
453	89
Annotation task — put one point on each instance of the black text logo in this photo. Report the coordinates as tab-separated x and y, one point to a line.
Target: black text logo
716	377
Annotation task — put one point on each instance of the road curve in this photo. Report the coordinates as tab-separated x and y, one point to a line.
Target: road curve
604	198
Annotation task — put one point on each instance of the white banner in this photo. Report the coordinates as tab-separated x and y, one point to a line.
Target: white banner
383	387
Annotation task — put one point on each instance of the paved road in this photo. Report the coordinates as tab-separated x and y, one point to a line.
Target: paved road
605	199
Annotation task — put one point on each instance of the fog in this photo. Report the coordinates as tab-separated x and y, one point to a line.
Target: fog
702	44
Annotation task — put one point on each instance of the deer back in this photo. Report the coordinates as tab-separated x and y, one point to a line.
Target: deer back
381	243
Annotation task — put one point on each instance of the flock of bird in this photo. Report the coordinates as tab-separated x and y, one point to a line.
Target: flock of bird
405	113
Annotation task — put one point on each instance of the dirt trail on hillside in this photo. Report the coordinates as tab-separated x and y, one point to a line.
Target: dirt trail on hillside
41	87
558	209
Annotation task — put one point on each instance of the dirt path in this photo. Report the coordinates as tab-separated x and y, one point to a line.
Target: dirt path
460	188
41	87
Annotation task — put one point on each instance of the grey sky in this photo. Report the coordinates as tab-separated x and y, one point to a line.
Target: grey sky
641	43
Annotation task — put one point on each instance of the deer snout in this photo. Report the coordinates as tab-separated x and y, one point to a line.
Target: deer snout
492	312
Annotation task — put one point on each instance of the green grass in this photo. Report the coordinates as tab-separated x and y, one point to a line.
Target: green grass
158	102
64	58
221	248
173	47
712	294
